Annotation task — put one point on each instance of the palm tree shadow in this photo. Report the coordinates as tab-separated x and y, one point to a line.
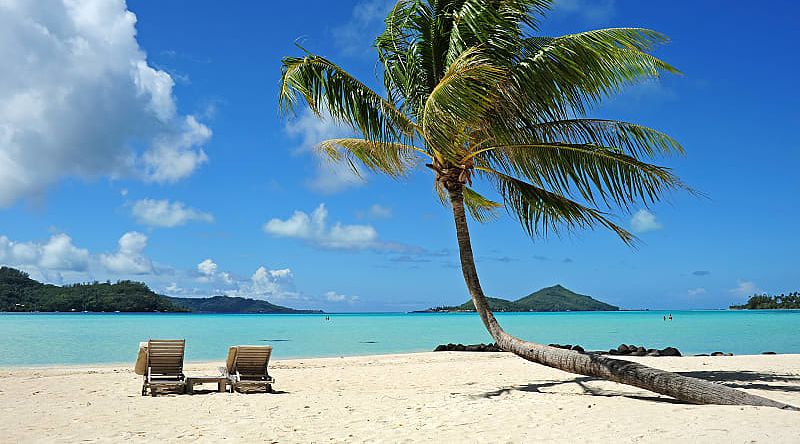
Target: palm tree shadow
580	381
733	379
750	380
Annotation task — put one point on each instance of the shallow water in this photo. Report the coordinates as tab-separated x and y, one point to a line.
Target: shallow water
78	338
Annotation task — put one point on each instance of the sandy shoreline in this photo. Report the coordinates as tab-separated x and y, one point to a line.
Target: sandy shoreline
443	397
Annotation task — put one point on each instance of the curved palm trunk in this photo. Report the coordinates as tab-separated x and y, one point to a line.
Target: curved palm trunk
693	390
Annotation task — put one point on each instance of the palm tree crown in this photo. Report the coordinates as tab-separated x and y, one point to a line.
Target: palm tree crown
469	90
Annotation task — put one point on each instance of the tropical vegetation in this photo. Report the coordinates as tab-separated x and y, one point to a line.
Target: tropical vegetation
20	293
784	301
473	92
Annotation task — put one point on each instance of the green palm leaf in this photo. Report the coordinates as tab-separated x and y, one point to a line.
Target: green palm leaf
541	212
591	171
392	159
328	88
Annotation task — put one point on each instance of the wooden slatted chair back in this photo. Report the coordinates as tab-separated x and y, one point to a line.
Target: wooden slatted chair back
252	360
165	357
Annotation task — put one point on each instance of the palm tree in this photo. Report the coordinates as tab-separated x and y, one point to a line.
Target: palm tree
482	101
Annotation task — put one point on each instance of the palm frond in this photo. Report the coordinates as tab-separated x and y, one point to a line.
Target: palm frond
591	171
392	159
459	100
328	88
636	140
556	78
480	208
541	212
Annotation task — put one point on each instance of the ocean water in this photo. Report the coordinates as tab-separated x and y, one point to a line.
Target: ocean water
80	338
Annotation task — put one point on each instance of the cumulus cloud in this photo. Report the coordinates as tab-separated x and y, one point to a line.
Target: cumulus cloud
163	213
696	291
332	296
79	99
129	258
207	267
57	254
644	221
208	272
745	288
330	177
314	229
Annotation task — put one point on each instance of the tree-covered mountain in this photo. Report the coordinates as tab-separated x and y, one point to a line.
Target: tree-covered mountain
20	293
789	301
555	298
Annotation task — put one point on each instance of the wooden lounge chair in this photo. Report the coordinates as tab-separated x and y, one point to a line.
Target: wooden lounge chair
246	366
164	365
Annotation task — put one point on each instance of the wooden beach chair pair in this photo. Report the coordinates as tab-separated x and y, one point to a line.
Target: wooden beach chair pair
160	362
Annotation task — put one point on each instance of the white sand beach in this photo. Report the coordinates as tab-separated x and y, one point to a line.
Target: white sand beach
441	397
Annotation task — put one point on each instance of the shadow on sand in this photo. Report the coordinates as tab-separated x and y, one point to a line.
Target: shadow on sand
734	379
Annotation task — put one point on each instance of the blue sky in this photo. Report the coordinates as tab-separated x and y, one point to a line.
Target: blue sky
142	141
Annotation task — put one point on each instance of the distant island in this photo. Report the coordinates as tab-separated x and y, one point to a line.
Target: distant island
789	301
20	293
555	298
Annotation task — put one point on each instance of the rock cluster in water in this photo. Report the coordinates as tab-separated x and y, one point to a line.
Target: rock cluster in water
633	350
621	350
468	348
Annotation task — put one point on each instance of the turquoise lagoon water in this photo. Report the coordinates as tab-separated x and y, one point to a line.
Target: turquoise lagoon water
79	338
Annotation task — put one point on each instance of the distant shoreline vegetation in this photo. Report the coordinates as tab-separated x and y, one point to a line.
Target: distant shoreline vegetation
789	301
20	293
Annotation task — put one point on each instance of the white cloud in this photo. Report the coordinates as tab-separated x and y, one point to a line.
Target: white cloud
377	211
78	99
594	12
644	221
332	296
315	230
58	254
207	267
330	177
354	38
208	270
163	213
745	288
696	291
129	258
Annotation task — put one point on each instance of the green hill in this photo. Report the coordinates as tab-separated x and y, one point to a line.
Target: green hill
18	292
558	298
555	298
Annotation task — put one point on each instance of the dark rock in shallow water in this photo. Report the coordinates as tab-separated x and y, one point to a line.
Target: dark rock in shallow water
468	348
717	354
669	351
653	352
769	353
578	349
703	354
623	349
